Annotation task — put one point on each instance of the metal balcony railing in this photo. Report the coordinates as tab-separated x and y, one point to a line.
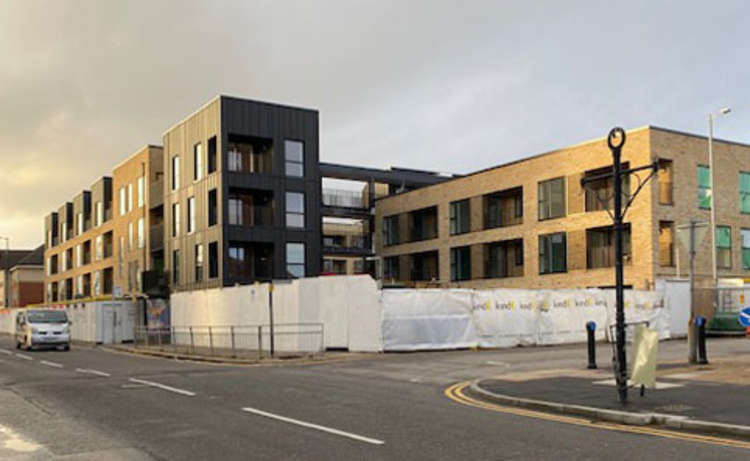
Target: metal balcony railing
343	198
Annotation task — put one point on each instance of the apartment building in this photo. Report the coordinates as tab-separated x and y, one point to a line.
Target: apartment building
530	223
242	203
21	277
98	243
345	246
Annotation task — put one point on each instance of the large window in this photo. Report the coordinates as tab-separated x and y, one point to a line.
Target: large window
461	263
212	208
744	192
295	260
176	266
213	260
141	192
175	219
175	172
391	267
552	253
235	211
191	215
600	193
295	209
552	198
666	243
198	262
503	208
503	259
745	234
197	161
141	233
249	154
390	230
460	217
212	155
294	154
724	247
704	187
600	246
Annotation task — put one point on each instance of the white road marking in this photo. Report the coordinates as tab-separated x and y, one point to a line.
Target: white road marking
25	357
500	364
93	372
7	352
314	426
51	364
163	387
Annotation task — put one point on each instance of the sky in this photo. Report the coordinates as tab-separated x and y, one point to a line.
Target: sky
441	85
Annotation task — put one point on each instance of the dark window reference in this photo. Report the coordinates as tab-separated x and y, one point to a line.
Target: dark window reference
460	263
212	211
503	208
423	224
212	155
176	266
552	199
390	268
460	217
503	259
213	260
600	246
552	253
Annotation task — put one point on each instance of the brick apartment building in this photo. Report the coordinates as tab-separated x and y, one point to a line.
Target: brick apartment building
530	224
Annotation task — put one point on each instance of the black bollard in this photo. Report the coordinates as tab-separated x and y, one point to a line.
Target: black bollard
700	325
590	329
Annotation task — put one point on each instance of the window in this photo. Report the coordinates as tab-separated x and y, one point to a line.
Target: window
176	266
175	172
600	246
130	235
97	283
99	247
130	197
460	217
212	155
503	208
191	215
552	198
704	187
600	194
666	243
122	201
79	223
234	160
724	247
295	259
197	162
212	215
213	260
390	230
198	262
79	255
503	259
175	219
141	192
552	253
665	182
99	207
235	211
141	233
295	209
745	235
460	263
423	224
744	192
294	153
390	267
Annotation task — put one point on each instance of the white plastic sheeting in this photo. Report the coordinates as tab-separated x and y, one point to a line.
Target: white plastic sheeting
8	321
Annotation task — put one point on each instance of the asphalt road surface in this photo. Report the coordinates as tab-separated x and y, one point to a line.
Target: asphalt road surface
96	404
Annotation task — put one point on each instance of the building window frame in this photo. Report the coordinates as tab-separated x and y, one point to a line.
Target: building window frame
213	260
460	263
197	161
175	219
553	253
198	262
175	172
190	215
548	206
294	158
295	265
295	209
724	247
705	193
460	217
390	230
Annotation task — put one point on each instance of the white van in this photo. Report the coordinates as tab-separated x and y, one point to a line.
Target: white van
42	327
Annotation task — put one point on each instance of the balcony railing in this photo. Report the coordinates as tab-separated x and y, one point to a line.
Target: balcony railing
356	245
343	198
251	216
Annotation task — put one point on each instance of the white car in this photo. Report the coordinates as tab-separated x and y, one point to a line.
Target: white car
42	327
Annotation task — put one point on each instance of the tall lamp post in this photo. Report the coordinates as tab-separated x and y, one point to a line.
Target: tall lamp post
711	117
6	271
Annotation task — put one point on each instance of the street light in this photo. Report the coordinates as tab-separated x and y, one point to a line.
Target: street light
711	117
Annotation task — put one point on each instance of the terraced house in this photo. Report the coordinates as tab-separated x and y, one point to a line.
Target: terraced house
530	223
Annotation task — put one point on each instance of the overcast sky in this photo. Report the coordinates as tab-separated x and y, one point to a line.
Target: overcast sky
450	86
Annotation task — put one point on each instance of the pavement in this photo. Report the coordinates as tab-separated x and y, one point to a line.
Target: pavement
91	403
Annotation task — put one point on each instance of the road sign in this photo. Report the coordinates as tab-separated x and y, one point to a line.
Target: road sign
683	233
744	317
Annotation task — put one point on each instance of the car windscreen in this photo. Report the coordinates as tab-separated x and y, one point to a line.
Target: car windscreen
47	317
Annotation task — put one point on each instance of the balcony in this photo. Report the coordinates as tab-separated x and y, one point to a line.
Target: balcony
342	198
156	237
249	262
249	154
250	208
356	245
423	224
503	208
156	193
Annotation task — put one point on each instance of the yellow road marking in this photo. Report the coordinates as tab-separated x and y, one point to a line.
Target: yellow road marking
455	393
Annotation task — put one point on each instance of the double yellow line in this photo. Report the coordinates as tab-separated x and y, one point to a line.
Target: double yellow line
456	393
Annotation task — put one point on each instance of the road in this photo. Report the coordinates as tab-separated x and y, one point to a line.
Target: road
90	403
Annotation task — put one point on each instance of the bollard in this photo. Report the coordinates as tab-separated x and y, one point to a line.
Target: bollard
590	329
192	341
260	342
231	331
211	340
700	324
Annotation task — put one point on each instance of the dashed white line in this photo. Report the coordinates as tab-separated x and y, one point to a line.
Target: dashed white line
93	372
6	352
25	357
163	387
51	364
330	430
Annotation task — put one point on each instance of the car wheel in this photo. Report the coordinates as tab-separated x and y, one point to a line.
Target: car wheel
18	345
66	347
